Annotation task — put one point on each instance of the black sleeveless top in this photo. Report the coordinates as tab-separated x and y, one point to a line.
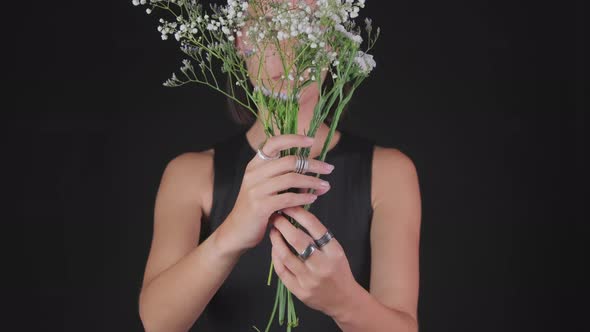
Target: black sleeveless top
244	299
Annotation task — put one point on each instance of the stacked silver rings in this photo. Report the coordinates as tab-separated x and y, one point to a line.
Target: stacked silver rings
302	164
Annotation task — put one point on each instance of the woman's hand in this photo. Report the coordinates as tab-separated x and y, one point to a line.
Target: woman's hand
263	179
324	280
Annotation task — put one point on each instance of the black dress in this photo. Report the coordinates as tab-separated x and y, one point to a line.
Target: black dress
244	299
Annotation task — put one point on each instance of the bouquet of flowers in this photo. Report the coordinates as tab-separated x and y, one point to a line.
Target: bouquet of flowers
315	40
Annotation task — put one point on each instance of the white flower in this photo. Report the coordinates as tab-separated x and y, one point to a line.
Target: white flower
268	93
148	10
368	24
135	2
357	39
365	62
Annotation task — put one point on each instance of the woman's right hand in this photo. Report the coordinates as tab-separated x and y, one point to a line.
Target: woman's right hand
257	200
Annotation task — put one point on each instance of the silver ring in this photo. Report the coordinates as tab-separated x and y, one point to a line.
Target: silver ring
264	155
301	165
322	241
308	251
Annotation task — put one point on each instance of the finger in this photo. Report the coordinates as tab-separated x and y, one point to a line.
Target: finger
287	277
288	199
312	224
308	220
288	164
293	180
275	144
291	261
293	235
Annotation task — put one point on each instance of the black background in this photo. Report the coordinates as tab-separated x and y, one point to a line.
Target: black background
484	96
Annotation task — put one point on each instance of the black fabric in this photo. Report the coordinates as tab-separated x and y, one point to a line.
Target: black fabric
244	299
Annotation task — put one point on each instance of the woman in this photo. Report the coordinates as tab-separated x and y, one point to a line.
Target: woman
208	263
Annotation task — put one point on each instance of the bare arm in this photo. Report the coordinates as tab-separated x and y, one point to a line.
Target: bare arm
180	277
392	302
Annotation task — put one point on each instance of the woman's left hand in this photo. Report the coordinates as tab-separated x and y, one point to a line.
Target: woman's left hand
324	280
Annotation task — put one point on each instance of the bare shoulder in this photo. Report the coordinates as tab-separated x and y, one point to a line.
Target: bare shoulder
395	231
178	210
393	170
191	176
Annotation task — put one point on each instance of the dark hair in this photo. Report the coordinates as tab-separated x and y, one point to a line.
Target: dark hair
244	117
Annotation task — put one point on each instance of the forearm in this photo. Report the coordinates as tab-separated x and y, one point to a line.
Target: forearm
174	300
365	313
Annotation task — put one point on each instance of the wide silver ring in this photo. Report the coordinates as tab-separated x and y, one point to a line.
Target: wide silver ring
301	165
264	155
322	241
308	251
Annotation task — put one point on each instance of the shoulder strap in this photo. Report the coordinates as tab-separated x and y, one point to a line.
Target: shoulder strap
228	170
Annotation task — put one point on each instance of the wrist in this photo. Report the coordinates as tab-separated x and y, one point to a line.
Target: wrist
224	245
351	305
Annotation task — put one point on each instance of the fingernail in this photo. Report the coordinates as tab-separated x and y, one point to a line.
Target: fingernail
330	167
325	184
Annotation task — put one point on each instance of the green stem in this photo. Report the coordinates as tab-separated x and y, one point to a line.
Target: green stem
270	273
281	288
272	315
